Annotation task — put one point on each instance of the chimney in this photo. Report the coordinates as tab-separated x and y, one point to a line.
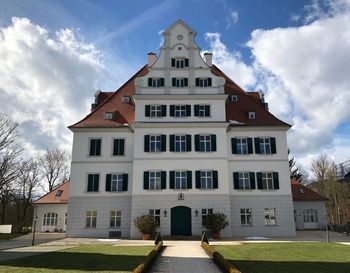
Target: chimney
208	57
152	57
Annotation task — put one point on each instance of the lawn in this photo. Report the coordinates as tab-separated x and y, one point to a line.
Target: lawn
288	257
106	258
9	236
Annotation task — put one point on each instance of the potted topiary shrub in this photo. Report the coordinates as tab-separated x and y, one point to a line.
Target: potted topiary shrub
146	225
216	222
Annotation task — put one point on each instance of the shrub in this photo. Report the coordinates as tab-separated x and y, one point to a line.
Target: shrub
215	222
145	224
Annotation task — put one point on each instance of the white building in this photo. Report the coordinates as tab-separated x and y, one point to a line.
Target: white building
180	140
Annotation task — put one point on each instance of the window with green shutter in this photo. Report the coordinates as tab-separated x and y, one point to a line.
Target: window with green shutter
95	147
118	146
93	182
202	110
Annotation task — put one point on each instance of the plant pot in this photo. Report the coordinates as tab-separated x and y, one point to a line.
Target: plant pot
216	235
146	236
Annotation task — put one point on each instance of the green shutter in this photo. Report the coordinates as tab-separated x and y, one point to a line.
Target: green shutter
189	180
209	81
172	179
250	145
163	179
186	62
259	180
172	143
149	81
147	110
196	143
235	181
98	147
198	179
163	110
108	182
213	143
146	143
96	182
273	145
197	81
145	180
276	184
125	181
92	147
207	110
161	81
252	180
90	182
215	179
163	143
173	82
188	143
122	147
234	145
257	145
172	62
172	110
185	81
188	110
196	110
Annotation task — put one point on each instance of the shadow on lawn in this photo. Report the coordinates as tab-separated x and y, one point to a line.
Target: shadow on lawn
77	261
290	267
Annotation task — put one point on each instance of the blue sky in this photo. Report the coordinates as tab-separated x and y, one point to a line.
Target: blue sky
296	52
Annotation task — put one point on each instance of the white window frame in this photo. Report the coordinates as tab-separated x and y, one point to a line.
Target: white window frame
115	219
233	98
244	180
267	181
89	143
155	180
246	217
91	219
265	145
180	177
181	142
206	179
116	182
242	145
270	216
201	110
205	213
155	143
155	213
155	110
179	111
203	82
310	216
50	219
251	115
109	115
205	143
118	138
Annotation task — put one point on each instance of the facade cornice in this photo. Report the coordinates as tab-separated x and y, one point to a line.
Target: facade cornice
179	96
124	128
189	124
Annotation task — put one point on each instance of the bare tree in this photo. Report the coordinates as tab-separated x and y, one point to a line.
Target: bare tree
54	167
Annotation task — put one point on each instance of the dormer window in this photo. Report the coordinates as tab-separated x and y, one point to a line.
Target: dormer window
251	115
126	99
109	115
301	190
179	62
233	98
179	82
58	193
203	82
155	82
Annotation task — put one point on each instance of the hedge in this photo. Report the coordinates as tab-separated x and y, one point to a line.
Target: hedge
148	261
221	262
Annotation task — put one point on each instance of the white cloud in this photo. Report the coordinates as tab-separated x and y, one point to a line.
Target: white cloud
46	81
230	62
232	18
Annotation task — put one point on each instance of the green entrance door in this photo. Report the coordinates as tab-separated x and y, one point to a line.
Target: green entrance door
181	221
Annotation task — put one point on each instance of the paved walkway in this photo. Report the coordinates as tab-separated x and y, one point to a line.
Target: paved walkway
184	257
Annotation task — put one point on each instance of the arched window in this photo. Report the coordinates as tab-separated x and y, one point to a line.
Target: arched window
50	219
310	216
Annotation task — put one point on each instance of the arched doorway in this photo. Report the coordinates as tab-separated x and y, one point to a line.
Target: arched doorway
181	221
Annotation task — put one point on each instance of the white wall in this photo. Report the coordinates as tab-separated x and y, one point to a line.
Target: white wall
41	209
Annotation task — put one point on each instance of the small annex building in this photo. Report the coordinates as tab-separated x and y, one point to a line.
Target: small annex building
309	207
50	210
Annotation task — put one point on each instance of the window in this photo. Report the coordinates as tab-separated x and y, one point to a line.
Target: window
270	217
59	193
155	143
118	146
202	110
268	180
310	216
242	145
180	143
205	212
115	219
155	110
180	110
203	82
91	219
244	180
179	62
156	215
154	180
50	219
179	82
205	143
251	115
155	82
180	179
301	190
206	179
265	145
93	182
246	217
233	98
95	147
109	115
117	182
126	99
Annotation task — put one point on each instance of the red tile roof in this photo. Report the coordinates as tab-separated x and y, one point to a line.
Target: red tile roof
125	112
302	193
52	198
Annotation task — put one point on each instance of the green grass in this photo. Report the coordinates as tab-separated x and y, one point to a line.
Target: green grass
100	258
288	257
10	236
